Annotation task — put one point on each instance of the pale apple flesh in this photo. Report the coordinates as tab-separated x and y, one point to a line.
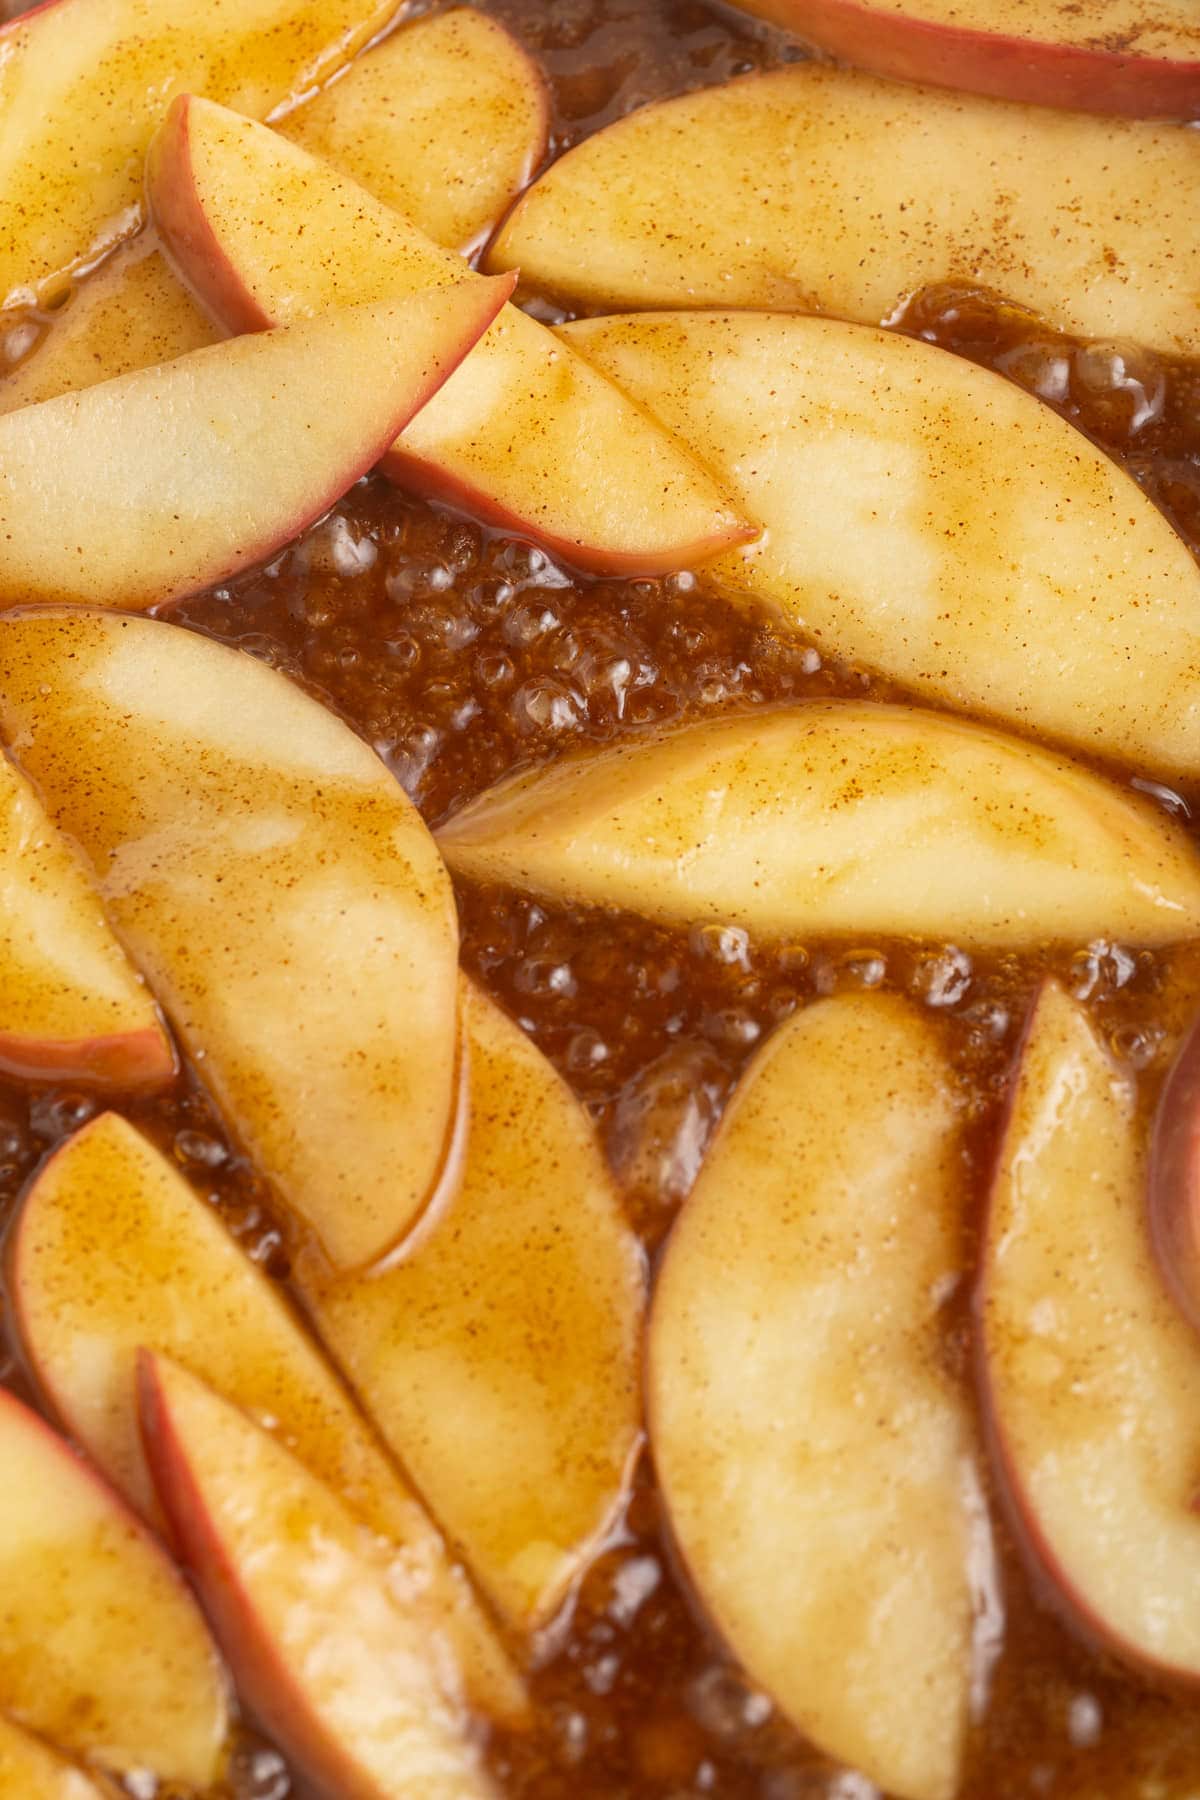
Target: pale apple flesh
1111	57
1054	596
1089	1376
817	1462
280	893
30	1770
532	438
1029	203
104	1652
330	1664
182	475
110	1251
1174	1182
842	817
499	1355
72	1008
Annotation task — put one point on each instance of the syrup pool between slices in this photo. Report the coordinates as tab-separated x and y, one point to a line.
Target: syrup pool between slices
460	654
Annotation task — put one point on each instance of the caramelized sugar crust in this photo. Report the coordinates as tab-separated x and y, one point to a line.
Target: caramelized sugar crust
460	654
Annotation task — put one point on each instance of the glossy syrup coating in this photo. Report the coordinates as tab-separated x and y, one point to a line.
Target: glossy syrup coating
459	655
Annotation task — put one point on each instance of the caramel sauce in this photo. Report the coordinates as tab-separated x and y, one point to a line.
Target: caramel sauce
461	654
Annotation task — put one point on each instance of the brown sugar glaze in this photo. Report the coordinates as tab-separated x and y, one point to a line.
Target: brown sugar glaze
459	654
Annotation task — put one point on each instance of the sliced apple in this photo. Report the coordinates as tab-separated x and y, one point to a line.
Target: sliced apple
446	120
339	1674
71	1006
499	1353
840	816
82	87
1175	1178
772	192
178	477
533	438
279	891
30	1770
103	1650
1112	56
111	1250
816	1459
1090	1378
1054	596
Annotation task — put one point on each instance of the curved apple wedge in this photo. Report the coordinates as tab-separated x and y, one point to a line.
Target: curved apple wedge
817	1462
72	1008
500	1354
840	816
30	1770
1054	596
532	437
335	1669
179	476
1112	57
111	1251
772	192
103	1650
277	888
1090	1378
1175	1178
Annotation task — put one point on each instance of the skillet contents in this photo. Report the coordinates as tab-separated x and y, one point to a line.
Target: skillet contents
599	901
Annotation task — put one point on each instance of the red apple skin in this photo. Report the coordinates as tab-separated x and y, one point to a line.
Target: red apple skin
135	1062
1174	1181
1072	76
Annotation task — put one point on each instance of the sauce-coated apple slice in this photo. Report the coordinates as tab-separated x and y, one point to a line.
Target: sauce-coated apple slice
1090	1378
775	192
82	87
179	476
816	1458
840	816
72	1008
103	1649
532	438
277	888
500	1354
111	1251
1175	1177
330	1663
1109	56
30	1770
1053	595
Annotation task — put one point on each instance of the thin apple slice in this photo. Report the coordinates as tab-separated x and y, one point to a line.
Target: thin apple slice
177	477
816	1458
1112	56
772	192
103	1649
532	438
279	891
1054	596
446	120
840	816
82	87
1090	1378
337	1671
71	1006
111	1251
1175	1178
499	1354
30	1770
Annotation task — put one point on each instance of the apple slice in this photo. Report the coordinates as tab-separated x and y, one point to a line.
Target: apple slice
30	1770
840	816
533	438
103	1649
772	192
111	1250
499	1353
1090	1378
1054	596
83	84
278	889
446	120
178	477
1175	1178
1112	56
71	1006
816	1459
336	1670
